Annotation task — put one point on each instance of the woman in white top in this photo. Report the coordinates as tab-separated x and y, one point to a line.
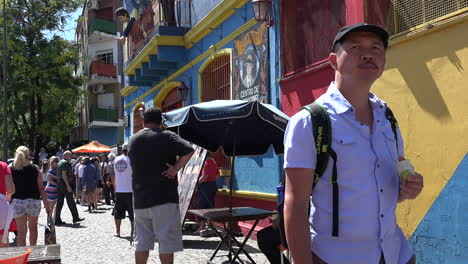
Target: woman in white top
44	171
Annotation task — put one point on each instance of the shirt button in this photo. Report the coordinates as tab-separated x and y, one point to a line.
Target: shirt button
341	141
381	215
378	166
378	121
381	106
352	110
381	240
381	190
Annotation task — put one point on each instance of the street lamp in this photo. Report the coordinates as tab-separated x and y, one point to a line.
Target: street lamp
183	91
141	111
262	11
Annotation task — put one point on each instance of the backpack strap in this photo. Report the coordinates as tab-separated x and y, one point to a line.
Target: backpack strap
393	122
322	136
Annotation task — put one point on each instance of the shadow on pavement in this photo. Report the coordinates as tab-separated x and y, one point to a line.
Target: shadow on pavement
77	225
212	244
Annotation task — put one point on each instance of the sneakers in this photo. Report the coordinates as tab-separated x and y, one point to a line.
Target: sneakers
78	220
208	233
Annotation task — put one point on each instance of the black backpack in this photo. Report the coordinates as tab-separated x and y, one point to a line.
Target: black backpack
323	136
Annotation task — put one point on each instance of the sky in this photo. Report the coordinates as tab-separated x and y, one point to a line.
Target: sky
68	32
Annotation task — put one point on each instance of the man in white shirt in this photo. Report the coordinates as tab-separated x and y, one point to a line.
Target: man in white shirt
365	177
122	181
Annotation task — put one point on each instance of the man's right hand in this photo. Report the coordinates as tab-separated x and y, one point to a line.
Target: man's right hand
69	189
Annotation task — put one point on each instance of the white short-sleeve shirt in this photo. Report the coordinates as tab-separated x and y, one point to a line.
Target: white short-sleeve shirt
367	179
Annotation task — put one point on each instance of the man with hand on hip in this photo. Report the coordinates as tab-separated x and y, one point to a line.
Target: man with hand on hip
156	155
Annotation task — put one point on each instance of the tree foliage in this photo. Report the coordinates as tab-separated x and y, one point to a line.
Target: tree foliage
42	89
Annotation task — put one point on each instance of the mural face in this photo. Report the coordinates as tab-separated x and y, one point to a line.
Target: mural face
250	61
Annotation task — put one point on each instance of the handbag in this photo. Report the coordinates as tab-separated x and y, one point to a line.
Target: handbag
49	232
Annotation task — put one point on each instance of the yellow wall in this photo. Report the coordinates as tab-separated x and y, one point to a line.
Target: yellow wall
426	84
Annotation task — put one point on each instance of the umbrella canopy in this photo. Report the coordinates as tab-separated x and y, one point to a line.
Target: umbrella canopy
92	147
251	126
241	128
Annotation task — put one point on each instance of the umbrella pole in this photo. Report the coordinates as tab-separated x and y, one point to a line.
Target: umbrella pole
232	174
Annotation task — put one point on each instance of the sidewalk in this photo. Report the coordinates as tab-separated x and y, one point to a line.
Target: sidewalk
92	241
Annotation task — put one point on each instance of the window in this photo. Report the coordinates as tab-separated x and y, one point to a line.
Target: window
172	101
105	56
216	79
307	31
216	84
399	16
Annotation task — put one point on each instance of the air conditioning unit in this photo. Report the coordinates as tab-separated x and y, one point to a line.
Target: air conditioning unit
98	89
92	4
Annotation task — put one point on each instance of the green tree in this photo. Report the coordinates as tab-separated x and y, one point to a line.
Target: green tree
42	89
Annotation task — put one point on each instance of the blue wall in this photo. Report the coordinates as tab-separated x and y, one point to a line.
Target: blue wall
105	135
256	174
442	236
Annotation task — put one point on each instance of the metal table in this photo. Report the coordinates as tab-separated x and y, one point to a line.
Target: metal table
225	216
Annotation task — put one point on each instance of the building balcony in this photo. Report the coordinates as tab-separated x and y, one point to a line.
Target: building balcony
104	113
102	25
154	22
100	29
102	73
103	69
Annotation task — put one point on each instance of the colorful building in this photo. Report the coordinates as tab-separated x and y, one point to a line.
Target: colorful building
424	84
101	61
215	43
215	50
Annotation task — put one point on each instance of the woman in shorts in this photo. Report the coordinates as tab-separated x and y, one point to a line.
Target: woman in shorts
26	200
51	187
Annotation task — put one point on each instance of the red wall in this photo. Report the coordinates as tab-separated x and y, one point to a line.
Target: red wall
304	87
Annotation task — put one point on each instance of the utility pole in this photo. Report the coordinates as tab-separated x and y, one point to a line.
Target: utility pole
5	114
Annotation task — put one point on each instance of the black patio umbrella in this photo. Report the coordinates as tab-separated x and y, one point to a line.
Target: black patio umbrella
241	128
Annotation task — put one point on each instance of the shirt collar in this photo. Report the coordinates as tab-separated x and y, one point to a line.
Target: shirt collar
341	105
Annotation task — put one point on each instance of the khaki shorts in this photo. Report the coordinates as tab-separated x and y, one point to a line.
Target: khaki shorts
158	223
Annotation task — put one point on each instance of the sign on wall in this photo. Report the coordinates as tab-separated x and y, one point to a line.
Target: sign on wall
188	180
250	65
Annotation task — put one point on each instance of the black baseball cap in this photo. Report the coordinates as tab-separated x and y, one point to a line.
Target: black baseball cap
361	27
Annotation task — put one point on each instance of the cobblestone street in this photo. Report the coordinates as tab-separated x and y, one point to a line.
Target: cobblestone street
93	241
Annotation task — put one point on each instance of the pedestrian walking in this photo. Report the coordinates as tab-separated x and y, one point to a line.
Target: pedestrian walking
90	181
44	171
156	155
7	188
360	226
26	200
108	190
64	172
51	187
122	180
207	189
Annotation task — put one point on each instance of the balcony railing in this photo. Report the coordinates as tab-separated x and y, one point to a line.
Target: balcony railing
104	113
103	69
102	25
144	26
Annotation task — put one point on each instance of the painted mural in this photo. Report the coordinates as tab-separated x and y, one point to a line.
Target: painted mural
250	65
